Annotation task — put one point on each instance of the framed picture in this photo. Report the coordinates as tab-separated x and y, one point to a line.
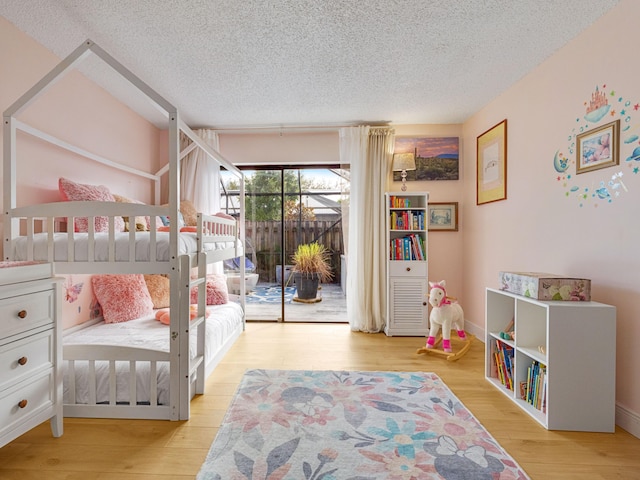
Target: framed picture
437	158
443	216
492	164
598	148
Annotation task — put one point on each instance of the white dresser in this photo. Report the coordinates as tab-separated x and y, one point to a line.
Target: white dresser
30	349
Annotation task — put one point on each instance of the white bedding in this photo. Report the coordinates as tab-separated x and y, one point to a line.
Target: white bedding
186	244
146	332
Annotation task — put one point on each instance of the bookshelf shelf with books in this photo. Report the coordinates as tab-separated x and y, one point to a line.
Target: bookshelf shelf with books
559	367
407	272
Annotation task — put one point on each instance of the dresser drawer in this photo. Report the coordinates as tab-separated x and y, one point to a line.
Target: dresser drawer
24	312
35	395
400	268
25	357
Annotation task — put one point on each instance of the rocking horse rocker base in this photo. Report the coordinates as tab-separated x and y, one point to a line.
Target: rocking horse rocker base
446	313
450	356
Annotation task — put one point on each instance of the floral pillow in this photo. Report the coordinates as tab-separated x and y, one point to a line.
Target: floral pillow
122	297
72	191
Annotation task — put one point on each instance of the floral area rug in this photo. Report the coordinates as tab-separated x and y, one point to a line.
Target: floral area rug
330	425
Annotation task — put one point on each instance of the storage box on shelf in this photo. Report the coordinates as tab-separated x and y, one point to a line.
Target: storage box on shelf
407	265
546	286
562	359
30	349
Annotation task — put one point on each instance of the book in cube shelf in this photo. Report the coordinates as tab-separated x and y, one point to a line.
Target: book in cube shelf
503	358
534	392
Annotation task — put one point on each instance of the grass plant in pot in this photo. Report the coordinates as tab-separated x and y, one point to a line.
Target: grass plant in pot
310	267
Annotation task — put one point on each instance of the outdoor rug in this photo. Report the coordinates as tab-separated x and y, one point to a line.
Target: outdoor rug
270	294
331	425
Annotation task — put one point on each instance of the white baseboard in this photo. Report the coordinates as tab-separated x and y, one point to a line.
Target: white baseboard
628	420
474	329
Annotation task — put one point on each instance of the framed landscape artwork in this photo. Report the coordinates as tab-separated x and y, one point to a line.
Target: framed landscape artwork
436	157
443	216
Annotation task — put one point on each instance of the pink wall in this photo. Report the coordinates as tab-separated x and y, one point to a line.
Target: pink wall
543	225
323	147
286	147
540	227
445	260
77	111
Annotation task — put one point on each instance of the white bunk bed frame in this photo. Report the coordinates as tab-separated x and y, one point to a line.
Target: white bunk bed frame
187	376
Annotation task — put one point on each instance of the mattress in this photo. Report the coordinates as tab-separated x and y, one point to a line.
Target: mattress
187	243
145	332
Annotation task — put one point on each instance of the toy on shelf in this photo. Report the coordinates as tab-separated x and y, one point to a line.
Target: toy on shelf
445	314
509	332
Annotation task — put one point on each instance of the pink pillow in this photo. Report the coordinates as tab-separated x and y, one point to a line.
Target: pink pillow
217	291
122	297
223	215
71	191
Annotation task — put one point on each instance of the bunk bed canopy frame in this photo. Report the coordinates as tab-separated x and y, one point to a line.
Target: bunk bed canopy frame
179	406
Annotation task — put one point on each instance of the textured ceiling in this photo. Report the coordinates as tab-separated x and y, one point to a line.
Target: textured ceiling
248	63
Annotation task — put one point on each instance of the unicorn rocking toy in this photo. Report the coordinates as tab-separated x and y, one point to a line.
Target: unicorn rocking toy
445	314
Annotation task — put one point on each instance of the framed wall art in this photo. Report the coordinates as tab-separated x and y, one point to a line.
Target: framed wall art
437	158
443	216
492	164
598	148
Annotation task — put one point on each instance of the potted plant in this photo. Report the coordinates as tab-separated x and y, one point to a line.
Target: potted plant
310	267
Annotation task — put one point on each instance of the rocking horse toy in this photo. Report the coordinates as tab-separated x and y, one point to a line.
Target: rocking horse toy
445	314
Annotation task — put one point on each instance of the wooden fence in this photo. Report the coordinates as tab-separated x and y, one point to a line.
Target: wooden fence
265	238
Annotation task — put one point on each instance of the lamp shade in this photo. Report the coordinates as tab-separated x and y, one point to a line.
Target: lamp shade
403	161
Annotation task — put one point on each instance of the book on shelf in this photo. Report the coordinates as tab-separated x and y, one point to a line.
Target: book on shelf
409	247
399	202
406	220
503	354
536	388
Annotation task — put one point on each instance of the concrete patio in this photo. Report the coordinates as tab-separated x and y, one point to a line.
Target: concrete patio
332	308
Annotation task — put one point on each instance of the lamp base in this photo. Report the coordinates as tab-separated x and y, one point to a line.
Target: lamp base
404	180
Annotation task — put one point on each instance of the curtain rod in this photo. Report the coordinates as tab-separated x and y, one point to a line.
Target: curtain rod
293	128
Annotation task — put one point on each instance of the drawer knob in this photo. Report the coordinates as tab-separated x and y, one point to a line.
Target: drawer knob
408	269
424	304
23	360
22	403
22	314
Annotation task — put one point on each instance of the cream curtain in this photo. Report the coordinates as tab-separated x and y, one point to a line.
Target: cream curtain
200	175
368	150
200	180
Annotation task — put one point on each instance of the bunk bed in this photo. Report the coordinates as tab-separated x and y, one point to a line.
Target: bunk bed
160	376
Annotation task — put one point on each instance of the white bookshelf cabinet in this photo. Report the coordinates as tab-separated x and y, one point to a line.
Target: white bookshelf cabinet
407	269
576	341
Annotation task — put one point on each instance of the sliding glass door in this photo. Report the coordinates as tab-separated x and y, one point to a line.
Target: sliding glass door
286	207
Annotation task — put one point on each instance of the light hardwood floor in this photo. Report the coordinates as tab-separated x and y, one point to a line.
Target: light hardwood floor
145	450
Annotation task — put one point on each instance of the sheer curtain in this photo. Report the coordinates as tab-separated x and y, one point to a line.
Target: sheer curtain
200	180
200	175
368	150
